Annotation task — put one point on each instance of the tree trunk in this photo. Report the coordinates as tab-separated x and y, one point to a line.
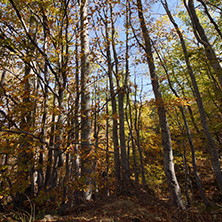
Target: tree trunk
202	38
76	155
121	93
48	175
58	154
114	112
86	160
137	127
130	126
40	179
175	192
210	18
107	144
211	142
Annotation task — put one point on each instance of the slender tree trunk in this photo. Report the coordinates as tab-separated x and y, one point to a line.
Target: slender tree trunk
67	177
64	63
197	177
114	112
96	129
193	119
107	144
211	142
173	185
130	126
40	179
121	93
76	155
188	204
202	38
210	18
86	160
51	145
115	135
137	129
212	78
58	154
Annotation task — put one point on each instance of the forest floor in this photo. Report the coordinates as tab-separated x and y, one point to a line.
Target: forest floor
140	204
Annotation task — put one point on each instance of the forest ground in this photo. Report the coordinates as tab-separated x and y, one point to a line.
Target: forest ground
140	204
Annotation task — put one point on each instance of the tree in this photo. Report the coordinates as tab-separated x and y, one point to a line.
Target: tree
202	39
173	185
197	177
212	145
85	101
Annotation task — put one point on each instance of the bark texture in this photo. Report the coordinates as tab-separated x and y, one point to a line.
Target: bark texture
86	168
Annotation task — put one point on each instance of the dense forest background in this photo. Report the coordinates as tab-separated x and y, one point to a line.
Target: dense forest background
100	97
